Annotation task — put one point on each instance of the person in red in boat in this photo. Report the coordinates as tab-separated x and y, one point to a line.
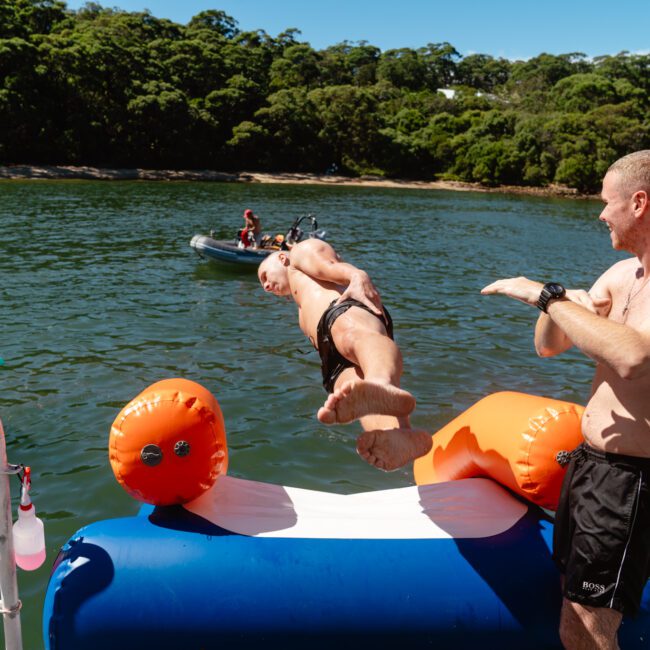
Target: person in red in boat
251	235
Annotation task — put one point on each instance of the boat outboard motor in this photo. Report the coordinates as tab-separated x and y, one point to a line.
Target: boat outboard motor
296	234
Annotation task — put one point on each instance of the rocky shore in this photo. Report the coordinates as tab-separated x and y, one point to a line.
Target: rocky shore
65	172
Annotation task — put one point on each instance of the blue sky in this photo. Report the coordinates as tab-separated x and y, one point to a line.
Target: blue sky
515	29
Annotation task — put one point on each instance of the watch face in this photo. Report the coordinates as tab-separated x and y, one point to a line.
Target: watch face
556	290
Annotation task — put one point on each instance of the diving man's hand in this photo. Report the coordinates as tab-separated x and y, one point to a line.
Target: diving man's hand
362	289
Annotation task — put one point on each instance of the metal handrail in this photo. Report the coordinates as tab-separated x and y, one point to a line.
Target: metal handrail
10	604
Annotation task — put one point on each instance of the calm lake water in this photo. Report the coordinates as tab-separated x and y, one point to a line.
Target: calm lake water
102	296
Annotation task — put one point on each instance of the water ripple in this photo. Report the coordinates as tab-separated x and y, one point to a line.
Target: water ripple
101	296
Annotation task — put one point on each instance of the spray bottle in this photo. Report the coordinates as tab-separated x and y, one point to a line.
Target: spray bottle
29	536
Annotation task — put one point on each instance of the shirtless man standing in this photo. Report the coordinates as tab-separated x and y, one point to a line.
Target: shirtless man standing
602	529
340	311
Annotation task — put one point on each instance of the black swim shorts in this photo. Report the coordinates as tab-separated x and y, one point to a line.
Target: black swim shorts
602	529
333	363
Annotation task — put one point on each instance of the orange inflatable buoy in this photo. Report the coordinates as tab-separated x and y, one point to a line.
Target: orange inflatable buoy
510	437
168	444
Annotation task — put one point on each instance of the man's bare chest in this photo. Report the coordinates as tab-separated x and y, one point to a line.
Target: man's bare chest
631	305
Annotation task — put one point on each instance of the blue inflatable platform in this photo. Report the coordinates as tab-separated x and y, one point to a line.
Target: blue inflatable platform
461	564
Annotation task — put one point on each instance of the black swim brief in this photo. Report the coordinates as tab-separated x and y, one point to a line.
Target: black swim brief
333	363
601	541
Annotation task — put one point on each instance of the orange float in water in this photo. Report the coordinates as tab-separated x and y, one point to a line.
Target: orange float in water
168	444
511	437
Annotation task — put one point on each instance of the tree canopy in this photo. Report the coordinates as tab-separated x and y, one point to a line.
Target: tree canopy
107	87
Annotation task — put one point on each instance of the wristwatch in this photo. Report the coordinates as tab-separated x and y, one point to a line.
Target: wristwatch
550	291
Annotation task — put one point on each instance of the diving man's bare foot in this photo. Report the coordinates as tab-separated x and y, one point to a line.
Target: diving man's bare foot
354	399
391	448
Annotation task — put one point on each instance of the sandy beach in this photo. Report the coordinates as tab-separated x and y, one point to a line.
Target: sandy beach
67	172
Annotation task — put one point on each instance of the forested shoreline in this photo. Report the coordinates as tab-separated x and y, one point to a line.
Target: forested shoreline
109	88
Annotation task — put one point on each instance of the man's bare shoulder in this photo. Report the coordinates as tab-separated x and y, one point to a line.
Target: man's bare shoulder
617	272
624	266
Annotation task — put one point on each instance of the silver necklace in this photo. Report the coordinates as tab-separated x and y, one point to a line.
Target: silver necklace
631	296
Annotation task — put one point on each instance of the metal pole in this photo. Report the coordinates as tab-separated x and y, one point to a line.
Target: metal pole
8	585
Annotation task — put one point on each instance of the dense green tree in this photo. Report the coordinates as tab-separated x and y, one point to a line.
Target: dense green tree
350	126
23	18
545	70
108	87
347	63
582	92
634	68
402	68
297	66
195	65
215	21
285	134
482	72
363	61
440	62
530	81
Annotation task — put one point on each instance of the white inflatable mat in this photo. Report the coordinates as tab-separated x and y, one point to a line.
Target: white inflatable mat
469	508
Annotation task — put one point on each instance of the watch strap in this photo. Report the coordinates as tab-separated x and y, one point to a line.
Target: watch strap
550	291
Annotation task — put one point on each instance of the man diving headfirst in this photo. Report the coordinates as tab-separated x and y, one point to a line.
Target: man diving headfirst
340	311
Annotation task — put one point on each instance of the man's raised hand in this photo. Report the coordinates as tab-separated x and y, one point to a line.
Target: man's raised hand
362	289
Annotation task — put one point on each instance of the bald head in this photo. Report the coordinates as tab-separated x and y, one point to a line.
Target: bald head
632	172
273	273
268	261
